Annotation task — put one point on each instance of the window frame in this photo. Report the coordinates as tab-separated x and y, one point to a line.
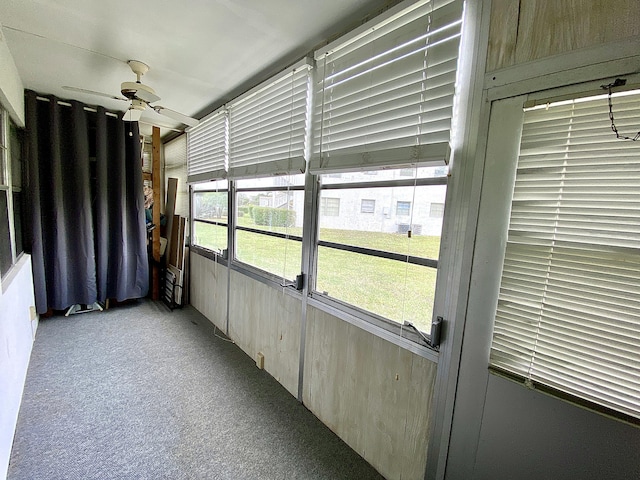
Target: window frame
219	256
439	210
429	150
328	208
9	189
252	270
405	206
370	208
384	326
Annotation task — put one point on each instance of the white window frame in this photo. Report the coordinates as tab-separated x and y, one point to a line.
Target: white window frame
9	189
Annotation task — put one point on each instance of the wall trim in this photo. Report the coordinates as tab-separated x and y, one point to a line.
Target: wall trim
590	63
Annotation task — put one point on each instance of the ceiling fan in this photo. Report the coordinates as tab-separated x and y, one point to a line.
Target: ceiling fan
140	97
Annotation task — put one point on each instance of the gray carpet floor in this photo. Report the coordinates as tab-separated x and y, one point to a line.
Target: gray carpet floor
141	392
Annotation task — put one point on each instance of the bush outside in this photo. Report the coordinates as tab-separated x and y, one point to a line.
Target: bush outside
275	217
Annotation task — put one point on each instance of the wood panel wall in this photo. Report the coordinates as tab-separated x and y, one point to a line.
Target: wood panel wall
208	289
266	320
374	395
527	30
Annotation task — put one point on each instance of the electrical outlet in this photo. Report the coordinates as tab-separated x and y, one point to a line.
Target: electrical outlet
32	313
260	361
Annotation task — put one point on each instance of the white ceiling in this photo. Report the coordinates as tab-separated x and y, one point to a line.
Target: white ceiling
201	52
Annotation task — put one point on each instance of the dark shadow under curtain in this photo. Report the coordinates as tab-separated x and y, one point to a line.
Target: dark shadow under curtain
87	234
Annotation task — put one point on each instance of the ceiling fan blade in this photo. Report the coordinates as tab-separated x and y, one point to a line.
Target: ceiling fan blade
156	124
92	92
146	96
192	122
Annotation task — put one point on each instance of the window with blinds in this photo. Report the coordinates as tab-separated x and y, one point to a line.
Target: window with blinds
207	148
568	314
384	95
268	126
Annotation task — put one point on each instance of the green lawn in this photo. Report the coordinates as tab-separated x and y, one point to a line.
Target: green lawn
393	289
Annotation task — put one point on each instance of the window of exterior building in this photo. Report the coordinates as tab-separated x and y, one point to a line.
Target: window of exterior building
329	207
367	206
436	210
403	208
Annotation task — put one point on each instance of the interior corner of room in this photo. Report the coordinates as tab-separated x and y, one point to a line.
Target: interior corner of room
419	217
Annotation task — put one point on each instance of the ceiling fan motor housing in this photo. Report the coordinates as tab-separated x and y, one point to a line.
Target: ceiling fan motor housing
130	89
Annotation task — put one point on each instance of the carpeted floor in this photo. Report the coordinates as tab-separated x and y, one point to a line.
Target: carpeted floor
141	392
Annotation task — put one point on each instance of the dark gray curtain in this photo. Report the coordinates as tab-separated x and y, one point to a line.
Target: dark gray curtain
86	205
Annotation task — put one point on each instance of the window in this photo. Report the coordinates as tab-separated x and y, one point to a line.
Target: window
378	140
268	126
329	207
403	208
436	210
207	145
210	216
365	261
11	244
269	216
384	95
6	259
368	206
568	313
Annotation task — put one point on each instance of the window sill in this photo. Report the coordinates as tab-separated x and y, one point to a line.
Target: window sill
390	332
264	277
210	254
13	271
567	397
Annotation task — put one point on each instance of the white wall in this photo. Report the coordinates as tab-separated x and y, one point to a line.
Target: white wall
17	332
11	88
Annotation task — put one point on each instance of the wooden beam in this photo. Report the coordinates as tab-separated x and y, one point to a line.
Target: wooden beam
155	178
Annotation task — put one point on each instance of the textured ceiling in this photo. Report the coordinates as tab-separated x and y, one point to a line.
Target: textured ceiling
201	52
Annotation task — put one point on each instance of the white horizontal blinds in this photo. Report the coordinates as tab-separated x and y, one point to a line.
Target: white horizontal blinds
568	311
207	148
268	125
385	96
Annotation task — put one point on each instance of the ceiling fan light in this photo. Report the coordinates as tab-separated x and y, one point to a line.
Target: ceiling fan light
132	115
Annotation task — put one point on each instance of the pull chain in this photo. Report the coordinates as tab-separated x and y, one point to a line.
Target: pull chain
618	83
